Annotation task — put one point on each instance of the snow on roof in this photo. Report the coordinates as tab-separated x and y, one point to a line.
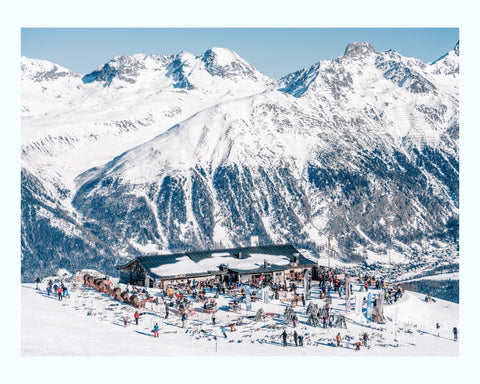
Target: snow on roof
185	265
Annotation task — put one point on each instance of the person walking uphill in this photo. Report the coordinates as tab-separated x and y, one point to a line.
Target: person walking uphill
60	293
455	333
136	315
65	291
155	330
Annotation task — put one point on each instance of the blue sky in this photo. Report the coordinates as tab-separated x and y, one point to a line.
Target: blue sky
274	51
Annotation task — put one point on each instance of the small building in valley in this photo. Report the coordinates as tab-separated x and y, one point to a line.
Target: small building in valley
268	262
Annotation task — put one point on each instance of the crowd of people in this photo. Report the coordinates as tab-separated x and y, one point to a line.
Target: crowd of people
180	296
60	290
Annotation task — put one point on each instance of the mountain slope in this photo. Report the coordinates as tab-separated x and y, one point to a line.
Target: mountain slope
363	149
71	123
296	166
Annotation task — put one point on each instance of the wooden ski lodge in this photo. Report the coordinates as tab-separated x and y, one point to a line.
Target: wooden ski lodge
272	262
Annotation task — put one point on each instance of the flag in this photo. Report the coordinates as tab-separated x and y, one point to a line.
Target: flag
265	292
347	293
369	306
305	283
358	306
248	299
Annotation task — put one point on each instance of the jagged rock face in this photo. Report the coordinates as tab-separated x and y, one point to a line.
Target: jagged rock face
226	64
363	149
105	75
357	50
404	76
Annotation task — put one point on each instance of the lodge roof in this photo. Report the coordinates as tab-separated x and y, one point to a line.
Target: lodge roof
240	260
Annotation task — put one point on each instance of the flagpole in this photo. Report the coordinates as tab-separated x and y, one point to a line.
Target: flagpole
328	251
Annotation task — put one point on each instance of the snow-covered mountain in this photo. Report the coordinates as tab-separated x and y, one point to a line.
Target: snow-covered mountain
72	122
173	152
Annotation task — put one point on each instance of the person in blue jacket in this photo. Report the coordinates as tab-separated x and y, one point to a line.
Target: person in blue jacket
155	330
184	317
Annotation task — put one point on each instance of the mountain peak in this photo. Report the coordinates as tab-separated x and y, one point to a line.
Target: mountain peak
225	63
358	49
221	57
42	70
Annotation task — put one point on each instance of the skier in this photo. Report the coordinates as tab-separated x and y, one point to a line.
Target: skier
438	329
365	339
213	317
284	337
124	321
166	310
155	330
357	345
303	299
455	333
295	338
339	338
37	281
49	289
136	315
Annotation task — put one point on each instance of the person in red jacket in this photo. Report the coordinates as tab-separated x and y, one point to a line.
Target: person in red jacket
60	293
136	315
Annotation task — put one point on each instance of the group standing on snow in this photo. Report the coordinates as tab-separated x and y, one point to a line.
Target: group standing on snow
328	283
60	291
